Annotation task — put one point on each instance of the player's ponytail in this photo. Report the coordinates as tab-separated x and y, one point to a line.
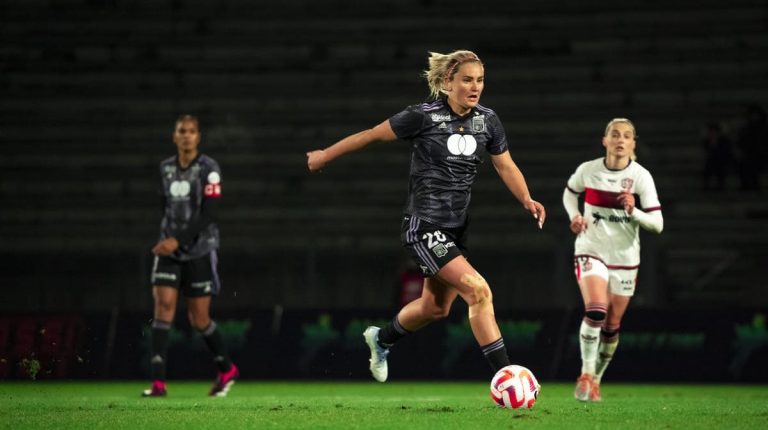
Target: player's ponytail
444	66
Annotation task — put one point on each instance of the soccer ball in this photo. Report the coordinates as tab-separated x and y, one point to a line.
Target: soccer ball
515	387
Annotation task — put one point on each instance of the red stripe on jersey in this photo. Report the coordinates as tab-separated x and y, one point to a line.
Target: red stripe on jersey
655	208
605	199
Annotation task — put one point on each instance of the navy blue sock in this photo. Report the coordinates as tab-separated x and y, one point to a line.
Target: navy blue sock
496	354
391	333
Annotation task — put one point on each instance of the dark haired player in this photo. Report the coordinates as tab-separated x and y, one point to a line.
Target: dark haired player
185	256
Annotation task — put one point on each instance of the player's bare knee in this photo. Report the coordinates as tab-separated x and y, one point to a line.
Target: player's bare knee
164	307
481	299
198	322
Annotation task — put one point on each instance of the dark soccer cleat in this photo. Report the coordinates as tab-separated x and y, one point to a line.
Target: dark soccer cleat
224	382
157	390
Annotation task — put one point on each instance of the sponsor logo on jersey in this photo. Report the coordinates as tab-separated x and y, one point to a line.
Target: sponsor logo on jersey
179	189
478	124
625	219
442	126
460	144
597	218
438	117
621	219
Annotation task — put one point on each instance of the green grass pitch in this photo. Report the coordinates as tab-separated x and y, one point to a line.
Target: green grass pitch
371	405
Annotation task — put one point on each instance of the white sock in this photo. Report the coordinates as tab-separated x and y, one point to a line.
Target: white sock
589	338
604	355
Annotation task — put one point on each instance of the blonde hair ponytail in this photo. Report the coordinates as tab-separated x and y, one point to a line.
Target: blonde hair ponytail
444	66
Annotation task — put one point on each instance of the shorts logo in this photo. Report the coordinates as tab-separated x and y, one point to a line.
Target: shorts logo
206	286
163	275
459	144
440	250
587	266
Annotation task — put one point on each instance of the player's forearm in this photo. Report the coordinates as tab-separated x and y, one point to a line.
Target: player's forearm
571	204
350	143
515	181
651	221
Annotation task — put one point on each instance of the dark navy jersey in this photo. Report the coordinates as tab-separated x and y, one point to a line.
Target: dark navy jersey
189	196
447	148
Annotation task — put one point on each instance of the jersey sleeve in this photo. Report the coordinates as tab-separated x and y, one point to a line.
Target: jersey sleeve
408	123
576	181
211	182
498	141
646	189
161	192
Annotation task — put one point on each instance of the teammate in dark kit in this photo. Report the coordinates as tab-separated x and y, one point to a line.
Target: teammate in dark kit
186	255
450	137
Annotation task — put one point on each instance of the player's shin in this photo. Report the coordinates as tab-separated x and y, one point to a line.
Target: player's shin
215	344
160	332
483	323
609	341
589	336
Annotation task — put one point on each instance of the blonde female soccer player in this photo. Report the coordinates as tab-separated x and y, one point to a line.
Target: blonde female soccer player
450	136
607	250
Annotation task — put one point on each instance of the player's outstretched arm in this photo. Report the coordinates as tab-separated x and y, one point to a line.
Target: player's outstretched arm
515	181
317	159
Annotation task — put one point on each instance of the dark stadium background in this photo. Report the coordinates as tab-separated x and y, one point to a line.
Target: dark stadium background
89	91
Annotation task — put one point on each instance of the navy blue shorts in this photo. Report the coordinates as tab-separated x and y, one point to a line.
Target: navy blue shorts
198	277
430	246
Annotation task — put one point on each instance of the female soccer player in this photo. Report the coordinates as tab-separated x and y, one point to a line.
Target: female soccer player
607	251
185	255
450	136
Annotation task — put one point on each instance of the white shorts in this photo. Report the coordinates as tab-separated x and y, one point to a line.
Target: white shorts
621	281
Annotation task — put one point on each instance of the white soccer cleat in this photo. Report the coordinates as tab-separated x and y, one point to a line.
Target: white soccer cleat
378	354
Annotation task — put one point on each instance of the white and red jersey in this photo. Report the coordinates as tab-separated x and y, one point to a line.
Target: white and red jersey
612	235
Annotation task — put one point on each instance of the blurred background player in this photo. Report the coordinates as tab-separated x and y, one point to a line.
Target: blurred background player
450	137
607	251
185	256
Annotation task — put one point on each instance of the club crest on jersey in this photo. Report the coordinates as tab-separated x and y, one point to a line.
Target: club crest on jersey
626	183
478	124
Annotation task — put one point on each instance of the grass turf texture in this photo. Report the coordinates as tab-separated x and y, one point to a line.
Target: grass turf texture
370	405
